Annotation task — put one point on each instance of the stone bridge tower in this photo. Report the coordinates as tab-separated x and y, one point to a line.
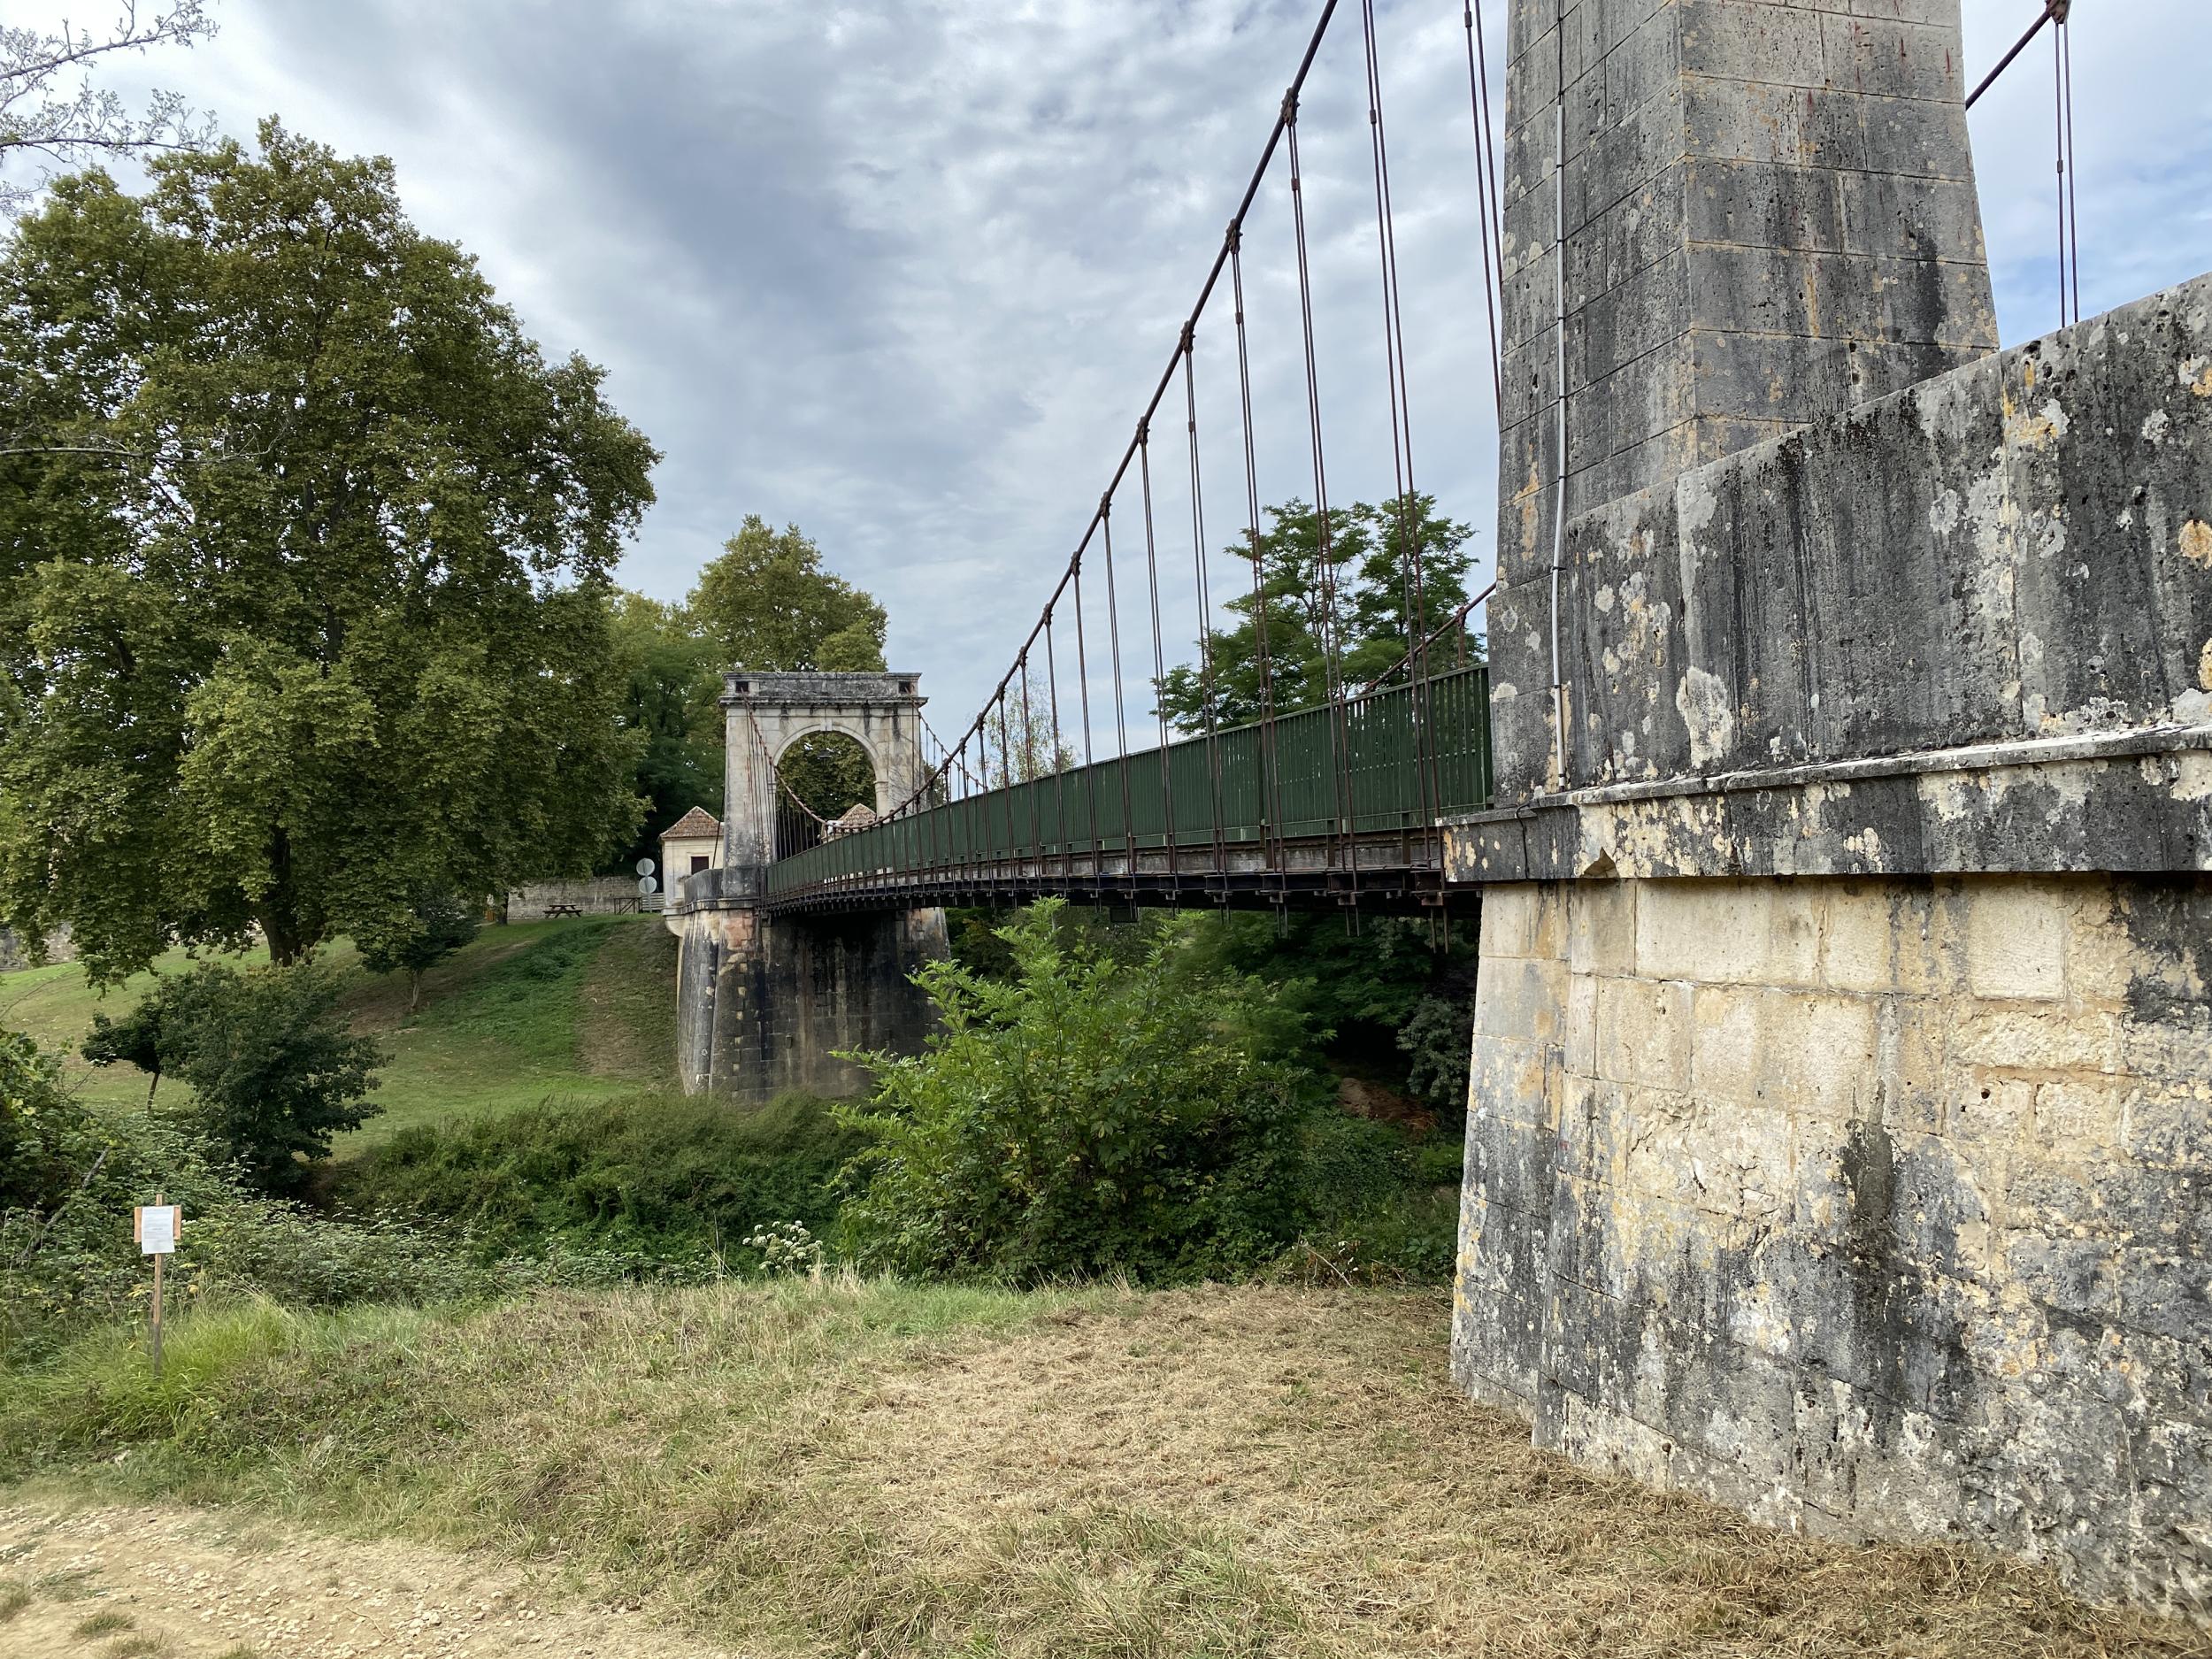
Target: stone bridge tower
1839	1140
765	1002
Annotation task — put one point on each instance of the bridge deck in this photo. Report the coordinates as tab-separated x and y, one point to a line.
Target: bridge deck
1332	805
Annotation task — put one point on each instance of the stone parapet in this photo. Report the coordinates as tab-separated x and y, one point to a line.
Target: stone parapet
2018	550
2124	801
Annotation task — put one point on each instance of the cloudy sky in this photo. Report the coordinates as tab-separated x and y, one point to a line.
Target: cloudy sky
905	272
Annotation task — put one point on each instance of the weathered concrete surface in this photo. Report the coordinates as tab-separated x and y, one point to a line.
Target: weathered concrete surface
2140	800
1869	1207
1770	214
2019	549
765	1003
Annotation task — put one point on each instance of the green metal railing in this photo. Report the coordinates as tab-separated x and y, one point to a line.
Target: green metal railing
1348	771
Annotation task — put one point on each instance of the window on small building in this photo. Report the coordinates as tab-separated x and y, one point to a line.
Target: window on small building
698	862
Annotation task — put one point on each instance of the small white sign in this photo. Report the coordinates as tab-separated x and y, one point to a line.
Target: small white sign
157	1229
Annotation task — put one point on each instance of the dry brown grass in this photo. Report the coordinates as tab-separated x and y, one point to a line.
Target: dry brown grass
1314	1440
1253	1472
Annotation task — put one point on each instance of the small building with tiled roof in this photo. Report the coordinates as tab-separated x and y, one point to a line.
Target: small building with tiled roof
855	817
692	843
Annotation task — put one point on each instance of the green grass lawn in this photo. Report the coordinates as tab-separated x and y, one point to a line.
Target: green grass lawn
578	1009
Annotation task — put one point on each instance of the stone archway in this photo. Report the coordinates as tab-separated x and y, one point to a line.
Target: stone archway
767	713
822	775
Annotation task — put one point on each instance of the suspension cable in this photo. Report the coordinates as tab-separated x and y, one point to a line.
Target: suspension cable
1159	664
1269	781
2068	219
1206	682
1121	701
1486	190
1097	524
1402	430
1344	844
1059	771
2051	9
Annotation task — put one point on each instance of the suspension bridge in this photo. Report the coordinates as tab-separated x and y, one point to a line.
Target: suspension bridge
1333	796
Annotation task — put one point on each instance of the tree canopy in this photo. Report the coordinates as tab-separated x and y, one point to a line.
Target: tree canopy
767	603
1347	593
669	706
305	555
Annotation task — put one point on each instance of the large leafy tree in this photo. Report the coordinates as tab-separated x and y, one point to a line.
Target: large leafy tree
304	564
767	603
1339	591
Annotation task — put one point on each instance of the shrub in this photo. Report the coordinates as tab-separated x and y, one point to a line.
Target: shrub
653	1176
1386	1208
435	926
268	1054
1083	1115
68	1181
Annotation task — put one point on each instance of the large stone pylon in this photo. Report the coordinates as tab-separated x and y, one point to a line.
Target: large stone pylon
766	1003
1841	1126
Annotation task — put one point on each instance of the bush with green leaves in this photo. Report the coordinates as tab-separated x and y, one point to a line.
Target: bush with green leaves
656	1178
1085	1116
269	1054
70	1177
436	925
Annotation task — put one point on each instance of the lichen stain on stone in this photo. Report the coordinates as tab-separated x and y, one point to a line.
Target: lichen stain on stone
2196	374
2195	542
1952	797
2193	775
2037	429
1702	700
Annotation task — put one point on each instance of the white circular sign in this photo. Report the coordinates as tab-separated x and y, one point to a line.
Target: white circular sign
645	866
646	885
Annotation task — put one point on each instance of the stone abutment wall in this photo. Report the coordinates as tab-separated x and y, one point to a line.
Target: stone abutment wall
1867	1205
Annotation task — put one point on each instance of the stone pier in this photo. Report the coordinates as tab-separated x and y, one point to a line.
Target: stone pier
1841	1126
765	1003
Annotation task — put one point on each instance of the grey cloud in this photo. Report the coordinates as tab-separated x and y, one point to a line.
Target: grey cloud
905	272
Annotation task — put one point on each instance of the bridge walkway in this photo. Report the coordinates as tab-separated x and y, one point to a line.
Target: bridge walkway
1336	805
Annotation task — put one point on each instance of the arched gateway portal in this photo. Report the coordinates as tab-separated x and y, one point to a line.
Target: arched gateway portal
765	1003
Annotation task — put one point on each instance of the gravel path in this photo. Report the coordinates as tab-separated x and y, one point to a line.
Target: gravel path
120	1582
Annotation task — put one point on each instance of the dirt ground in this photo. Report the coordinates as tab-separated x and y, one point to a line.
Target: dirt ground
110	1583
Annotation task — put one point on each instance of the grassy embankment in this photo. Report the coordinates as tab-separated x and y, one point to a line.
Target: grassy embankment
573	1011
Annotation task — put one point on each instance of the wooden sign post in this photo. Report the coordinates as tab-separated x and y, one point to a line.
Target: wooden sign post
156	1226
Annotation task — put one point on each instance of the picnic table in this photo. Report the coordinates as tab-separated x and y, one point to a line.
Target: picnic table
551	911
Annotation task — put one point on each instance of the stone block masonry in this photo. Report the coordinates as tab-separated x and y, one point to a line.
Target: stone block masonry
767	1005
1869	1206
